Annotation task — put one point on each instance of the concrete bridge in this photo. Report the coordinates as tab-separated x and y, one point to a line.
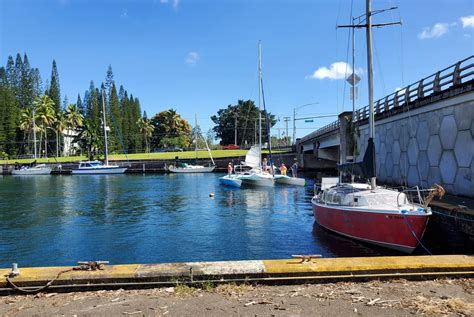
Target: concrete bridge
424	133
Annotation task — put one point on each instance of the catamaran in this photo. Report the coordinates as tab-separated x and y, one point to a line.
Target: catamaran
194	168
251	173
368	212
97	167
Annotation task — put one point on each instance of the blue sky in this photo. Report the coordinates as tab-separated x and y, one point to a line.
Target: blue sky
200	55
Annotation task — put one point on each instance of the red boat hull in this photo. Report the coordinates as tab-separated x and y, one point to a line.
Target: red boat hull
394	231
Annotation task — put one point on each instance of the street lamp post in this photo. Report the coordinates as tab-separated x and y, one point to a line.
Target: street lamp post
294	118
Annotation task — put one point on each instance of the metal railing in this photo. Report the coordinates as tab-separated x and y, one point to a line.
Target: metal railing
454	75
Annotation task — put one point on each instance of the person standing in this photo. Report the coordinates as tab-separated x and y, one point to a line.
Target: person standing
294	169
283	169
229	168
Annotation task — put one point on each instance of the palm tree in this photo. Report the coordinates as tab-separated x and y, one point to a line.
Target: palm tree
146	129
60	124
172	118
26	121
46	116
74	119
88	139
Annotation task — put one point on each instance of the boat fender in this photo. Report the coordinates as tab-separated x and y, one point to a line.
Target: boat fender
211	194
404	211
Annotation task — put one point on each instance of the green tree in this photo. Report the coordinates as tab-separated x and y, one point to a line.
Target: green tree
170	130
8	120
146	130
88	140
45	111
115	121
247	115
54	90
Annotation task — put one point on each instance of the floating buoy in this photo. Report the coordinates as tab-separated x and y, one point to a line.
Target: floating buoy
211	194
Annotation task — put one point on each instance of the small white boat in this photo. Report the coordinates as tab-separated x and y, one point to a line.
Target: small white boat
287	180
40	169
189	168
192	168
97	167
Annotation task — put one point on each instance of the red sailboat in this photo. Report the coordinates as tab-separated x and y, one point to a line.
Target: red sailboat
367	212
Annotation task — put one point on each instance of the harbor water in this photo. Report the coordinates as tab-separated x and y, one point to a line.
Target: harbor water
58	220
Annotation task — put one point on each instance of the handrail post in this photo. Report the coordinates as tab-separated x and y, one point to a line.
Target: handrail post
407	95
420	93
436	83
395	100
457	74
386	103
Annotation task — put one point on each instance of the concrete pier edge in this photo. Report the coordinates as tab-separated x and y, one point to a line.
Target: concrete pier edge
261	271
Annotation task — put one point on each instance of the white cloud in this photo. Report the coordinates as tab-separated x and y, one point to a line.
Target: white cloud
124	14
337	70
437	30
192	58
174	3
467	22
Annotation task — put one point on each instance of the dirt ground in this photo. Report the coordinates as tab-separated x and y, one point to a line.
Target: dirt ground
454	297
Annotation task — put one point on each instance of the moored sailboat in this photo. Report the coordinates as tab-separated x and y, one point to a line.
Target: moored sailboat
97	167
368	212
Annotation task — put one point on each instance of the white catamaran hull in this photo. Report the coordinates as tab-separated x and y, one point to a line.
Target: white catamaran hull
33	171
258	180
193	169
99	171
287	180
231	180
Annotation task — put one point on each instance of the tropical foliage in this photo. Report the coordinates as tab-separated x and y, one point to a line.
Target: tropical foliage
246	115
170	130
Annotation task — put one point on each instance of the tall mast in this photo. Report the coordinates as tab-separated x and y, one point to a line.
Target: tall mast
260	96
106	151
371	83
34	131
195	135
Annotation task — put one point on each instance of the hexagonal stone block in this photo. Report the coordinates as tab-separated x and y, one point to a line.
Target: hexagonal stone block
448	167
381	172
412	152
447	111
423	165
396	152
447	132
464	148
463	115
396	175
434	122
434	150
404	138
464	182
389	137
404	165
388	166
413	177
434	176
472	129
412	124
396	131
423	135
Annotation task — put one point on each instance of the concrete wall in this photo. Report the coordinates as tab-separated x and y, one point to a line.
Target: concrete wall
431	144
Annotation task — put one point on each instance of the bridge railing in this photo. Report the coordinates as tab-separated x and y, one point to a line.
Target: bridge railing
444	79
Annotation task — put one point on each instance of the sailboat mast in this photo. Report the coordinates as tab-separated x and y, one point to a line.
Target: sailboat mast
260	97
195	135
371	83
106	151
34	132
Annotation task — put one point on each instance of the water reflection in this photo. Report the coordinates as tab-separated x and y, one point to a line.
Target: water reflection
57	220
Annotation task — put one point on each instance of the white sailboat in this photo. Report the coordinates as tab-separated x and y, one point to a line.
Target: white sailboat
33	168
251	173
194	168
97	167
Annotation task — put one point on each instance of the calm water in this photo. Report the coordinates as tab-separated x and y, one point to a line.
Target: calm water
58	220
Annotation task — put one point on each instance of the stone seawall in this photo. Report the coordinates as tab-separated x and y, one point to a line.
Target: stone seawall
427	145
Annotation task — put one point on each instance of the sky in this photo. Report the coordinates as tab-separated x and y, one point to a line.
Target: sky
198	56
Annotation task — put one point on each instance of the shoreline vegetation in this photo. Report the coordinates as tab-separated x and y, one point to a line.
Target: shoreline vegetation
186	155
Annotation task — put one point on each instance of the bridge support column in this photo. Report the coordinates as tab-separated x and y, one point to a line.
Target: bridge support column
345	119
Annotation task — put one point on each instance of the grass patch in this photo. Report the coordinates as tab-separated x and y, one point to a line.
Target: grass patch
183	289
140	156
